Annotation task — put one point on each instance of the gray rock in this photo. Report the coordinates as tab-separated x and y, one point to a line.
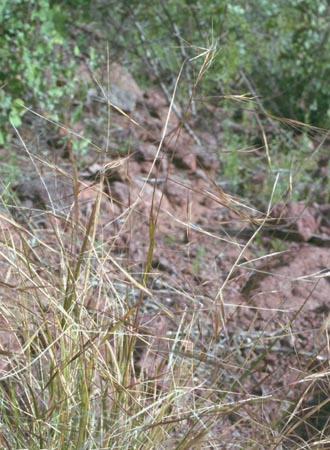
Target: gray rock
51	191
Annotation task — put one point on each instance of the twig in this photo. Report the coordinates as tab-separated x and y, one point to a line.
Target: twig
264	112
151	61
180	41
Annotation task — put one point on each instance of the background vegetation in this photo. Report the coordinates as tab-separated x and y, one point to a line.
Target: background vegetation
281	49
277	53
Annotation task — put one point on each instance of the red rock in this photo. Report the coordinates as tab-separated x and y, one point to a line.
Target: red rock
141	194
207	161
297	216
87	197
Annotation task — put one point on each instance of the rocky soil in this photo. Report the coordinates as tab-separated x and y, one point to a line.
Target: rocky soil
213	255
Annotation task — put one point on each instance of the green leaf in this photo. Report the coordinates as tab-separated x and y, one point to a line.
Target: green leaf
2	138
77	113
19	106
15	119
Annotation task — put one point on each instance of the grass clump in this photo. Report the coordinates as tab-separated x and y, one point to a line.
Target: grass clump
92	357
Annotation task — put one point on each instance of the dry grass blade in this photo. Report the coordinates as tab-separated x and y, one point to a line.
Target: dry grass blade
128	322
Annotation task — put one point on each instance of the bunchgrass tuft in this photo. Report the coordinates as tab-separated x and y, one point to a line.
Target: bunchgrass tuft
84	364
